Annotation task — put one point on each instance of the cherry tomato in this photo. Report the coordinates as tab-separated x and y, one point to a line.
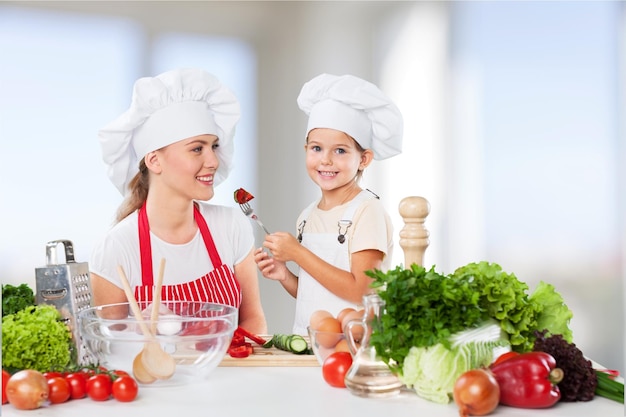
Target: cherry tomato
125	388
49	375
120	372
335	368
99	387
78	385
58	390
5	378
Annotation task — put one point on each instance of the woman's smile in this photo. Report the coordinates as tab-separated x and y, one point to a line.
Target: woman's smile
208	179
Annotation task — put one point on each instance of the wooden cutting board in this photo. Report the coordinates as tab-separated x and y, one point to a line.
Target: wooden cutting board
271	357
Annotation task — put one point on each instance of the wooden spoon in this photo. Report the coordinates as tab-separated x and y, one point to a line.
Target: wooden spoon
156	297
139	370
156	362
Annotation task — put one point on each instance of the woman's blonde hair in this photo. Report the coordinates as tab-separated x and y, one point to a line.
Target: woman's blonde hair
138	193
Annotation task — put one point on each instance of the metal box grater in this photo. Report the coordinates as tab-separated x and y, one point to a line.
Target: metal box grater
68	288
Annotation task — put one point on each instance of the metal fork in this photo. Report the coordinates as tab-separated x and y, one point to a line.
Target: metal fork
247	210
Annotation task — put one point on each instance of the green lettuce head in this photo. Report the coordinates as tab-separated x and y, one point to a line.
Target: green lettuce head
35	338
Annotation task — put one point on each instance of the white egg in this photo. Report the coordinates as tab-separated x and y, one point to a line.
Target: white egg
169	324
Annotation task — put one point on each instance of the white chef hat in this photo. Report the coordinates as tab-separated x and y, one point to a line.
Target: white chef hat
172	106
356	107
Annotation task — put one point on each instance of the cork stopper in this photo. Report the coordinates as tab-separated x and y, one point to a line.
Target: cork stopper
414	236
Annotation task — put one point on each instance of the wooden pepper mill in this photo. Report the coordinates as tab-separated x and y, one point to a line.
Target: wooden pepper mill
414	235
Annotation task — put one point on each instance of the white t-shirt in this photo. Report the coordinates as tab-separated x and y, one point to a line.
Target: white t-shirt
230	228
371	228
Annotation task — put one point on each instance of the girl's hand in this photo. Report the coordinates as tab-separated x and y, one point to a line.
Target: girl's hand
270	267
282	245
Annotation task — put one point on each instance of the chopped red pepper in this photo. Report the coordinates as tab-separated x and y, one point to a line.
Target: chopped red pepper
256	339
528	380
239	348
237	340
242	351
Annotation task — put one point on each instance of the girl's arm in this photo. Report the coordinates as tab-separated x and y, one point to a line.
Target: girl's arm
350	285
251	315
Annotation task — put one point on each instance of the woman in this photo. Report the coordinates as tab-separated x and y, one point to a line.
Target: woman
165	154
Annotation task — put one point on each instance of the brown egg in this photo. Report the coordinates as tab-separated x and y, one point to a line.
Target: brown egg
343	313
317	317
329	332
356	329
329	325
353	315
342	346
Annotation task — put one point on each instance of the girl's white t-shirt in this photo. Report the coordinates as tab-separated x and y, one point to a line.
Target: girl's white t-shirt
371	228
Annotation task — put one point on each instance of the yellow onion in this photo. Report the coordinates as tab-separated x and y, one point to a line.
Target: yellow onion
476	393
27	389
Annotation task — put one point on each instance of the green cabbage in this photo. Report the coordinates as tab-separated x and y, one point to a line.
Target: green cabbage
35	338
432	371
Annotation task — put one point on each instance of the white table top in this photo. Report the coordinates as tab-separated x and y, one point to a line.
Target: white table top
297	391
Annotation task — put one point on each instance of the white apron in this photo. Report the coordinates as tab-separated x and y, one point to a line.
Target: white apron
313	296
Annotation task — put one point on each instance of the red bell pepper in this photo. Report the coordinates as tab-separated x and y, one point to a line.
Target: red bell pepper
528	380
256	339
241	351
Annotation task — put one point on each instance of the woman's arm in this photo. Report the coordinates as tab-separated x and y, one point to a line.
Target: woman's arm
251	315
105	292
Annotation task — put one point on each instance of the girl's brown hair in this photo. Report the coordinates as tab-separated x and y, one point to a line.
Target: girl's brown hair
138	193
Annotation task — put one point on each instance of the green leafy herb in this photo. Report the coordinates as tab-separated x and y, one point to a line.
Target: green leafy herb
35	338
424	308
15	298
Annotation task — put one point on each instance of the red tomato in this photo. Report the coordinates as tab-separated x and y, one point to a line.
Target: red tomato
49	375
5	378
120	372
99	387
335	368
125	388
78	385
58	390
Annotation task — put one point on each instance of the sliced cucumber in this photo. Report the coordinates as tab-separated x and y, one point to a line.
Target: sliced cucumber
293	343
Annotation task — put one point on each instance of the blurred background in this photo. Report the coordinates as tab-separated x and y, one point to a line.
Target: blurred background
514	127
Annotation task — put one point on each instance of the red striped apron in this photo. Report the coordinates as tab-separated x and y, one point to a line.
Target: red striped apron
218	286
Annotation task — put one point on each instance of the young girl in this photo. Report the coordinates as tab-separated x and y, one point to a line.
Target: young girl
165	154
347	231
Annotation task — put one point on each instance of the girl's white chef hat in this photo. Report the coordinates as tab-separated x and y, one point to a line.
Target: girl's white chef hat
356	107
172	106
